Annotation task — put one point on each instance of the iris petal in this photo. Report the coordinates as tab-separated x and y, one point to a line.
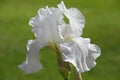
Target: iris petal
46	25
76	19
80	53
32	63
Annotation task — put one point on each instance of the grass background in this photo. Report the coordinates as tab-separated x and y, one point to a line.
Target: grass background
102	26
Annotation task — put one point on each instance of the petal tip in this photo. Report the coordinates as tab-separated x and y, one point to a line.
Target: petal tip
30	68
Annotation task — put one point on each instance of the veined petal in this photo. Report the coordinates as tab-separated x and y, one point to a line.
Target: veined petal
76	19
66	32
80	53
46	24
32	63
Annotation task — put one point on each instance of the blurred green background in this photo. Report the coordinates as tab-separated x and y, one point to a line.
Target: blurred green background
102	26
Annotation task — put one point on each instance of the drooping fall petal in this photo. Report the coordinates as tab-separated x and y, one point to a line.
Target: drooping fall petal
32	63
80	53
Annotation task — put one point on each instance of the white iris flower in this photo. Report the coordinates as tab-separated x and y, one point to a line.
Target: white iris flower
51	30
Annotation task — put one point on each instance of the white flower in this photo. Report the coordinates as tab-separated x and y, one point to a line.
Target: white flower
51	30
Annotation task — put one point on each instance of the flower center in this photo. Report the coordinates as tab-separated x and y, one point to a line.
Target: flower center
53	46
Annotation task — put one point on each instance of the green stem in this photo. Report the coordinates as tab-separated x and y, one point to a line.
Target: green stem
78	77
74	74
63	67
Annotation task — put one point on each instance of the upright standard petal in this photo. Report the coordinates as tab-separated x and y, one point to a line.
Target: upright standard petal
76	19
80	53
32	63
46	25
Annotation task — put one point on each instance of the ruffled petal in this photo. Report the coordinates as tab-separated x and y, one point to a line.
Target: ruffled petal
32	63
76	19
46	24
80	53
